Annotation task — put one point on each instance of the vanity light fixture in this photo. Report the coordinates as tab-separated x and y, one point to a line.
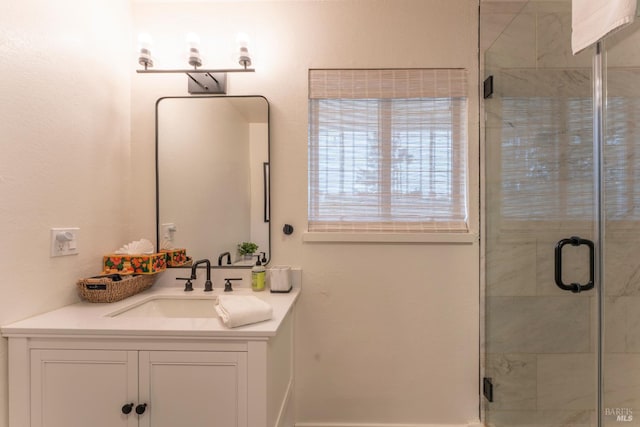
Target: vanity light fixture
144	48
243	49
200	81
193	41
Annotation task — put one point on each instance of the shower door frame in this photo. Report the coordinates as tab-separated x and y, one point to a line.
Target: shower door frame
599	97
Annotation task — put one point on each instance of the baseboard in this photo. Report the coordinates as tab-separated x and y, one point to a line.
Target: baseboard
285	405
306	424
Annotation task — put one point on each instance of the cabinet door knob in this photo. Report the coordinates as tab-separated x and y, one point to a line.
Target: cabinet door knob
126	409
141	408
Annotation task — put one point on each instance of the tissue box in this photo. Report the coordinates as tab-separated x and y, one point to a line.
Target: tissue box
134	264
175	257
280	279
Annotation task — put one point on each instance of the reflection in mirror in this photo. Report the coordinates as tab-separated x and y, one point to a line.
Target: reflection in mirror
212	180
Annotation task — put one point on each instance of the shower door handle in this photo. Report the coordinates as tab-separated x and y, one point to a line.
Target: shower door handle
574	287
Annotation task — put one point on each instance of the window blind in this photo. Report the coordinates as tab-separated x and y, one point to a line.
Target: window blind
387	150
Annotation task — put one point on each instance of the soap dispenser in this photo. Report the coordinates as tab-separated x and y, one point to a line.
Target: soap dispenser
258	274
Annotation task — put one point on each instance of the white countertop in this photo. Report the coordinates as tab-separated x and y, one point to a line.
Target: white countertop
91	319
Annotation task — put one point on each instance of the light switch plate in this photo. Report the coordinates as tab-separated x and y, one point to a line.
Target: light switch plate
64	241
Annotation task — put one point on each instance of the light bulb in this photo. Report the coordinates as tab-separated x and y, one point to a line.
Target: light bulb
144	50
244	58
193	40
193	43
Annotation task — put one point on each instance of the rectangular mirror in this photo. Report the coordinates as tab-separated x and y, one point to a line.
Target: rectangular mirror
212	175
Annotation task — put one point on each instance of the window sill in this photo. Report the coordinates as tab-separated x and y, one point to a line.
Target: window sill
336	237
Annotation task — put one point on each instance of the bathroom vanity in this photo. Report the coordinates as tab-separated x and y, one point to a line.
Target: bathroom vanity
93	364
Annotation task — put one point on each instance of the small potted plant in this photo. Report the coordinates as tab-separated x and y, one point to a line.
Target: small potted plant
247	249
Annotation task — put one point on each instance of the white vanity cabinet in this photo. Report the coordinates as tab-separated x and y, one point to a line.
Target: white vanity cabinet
108	387
80	387
193	388
225	378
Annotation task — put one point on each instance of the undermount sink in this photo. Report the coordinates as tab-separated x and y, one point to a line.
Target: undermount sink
166	306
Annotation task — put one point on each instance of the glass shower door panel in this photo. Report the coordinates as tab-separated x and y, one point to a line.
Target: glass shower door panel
621	362
539	340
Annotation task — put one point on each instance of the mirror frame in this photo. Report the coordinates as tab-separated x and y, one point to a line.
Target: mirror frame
266	174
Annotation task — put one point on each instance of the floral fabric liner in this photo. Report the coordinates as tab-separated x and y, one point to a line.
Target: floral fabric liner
135	264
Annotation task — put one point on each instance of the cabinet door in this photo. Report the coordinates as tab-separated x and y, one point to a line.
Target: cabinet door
195	389
82	388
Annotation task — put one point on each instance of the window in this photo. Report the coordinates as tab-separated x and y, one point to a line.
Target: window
388	150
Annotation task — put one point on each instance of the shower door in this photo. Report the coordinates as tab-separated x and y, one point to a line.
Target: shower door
553	357
540	339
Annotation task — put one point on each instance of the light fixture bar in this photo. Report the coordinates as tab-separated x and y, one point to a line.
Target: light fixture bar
202	82
191	70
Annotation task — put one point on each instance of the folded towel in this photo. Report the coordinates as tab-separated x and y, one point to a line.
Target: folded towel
591	20
242	310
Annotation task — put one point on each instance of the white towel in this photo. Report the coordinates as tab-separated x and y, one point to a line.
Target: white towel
235	310
592	20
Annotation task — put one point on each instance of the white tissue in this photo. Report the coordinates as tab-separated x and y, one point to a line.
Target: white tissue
142	246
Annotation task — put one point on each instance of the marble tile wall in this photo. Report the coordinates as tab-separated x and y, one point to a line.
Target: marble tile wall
539	341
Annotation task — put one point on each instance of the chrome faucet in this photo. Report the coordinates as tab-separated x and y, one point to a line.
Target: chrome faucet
222	255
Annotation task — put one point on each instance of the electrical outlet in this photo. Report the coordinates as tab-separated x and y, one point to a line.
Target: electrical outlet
167	230
64	241
166	235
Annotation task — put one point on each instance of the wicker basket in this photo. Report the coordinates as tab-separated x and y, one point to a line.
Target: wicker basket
104	289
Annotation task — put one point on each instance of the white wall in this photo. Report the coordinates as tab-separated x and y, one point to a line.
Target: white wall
64	148
385	333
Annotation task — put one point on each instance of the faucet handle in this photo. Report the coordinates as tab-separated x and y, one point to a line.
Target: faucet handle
188	286
227	284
